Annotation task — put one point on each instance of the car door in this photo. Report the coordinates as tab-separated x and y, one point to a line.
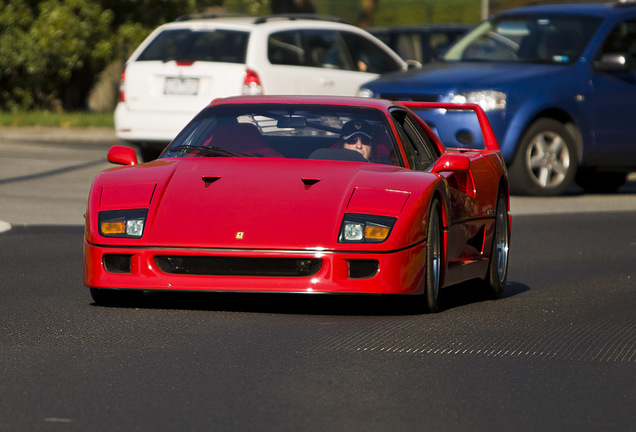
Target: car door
612	99
182	70
470	214
320	62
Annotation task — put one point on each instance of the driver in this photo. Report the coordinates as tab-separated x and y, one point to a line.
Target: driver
357	135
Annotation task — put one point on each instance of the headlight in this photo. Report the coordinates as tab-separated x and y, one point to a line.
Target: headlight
489	100
122	223
365	92
360	228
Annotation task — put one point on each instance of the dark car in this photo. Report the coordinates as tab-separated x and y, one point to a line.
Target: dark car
421	43
558	83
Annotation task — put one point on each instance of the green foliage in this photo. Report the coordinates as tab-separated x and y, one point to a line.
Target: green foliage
42	49
55	119
53	51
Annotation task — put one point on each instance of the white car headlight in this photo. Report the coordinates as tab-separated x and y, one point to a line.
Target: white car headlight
489	100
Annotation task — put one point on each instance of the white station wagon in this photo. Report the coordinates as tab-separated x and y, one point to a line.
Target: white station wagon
182	66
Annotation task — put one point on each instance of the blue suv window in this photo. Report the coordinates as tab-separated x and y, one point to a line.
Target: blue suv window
544	39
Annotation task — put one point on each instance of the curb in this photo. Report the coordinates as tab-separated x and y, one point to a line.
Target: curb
57	134
4	226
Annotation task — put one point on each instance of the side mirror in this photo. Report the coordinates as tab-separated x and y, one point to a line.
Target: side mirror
413	64
122	155
452	163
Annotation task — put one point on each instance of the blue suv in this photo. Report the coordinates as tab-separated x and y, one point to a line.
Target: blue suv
558	83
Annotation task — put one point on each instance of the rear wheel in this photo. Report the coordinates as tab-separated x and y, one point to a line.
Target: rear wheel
112	297
546	160
495	281
434	258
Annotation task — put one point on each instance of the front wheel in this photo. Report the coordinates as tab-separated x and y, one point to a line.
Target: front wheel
546	160
434	258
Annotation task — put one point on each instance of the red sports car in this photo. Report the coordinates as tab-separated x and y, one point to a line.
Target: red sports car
303	195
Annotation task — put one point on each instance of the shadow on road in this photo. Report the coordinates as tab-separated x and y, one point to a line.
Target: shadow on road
315	304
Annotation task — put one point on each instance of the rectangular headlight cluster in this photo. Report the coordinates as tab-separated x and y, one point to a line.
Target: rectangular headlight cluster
122	223
361	228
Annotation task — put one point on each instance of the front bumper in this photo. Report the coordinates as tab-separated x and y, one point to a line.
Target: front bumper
396	272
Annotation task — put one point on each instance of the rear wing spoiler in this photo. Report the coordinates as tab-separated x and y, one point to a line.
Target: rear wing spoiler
490	142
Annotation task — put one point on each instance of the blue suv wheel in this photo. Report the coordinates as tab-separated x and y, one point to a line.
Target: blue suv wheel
546	160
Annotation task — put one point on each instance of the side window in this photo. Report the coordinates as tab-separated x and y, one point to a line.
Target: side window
621	40
285	48
419	150
367	56
408	46
325	49
438	43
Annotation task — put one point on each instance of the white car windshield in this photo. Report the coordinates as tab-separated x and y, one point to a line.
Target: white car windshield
537	39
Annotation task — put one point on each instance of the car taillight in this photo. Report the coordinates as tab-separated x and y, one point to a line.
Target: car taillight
122	92
252	84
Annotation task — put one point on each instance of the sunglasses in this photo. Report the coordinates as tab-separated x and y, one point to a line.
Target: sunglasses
364	139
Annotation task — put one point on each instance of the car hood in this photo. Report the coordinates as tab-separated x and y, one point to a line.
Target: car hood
444	78
254	203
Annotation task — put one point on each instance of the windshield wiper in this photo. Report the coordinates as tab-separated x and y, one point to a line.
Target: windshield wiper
209	151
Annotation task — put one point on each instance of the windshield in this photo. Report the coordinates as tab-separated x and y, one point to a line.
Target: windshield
288	131
537	39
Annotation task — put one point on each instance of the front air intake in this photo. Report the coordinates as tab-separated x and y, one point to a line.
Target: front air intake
238	266
117	263
363	269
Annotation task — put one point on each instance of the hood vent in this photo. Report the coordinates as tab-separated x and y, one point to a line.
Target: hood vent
309	182
208	180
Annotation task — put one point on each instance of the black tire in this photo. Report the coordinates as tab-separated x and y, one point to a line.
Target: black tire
546	160
113	297
593	181
495	281
434	258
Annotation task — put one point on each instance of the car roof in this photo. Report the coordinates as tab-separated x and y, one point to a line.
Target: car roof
248	23
381	104
424	28
603	9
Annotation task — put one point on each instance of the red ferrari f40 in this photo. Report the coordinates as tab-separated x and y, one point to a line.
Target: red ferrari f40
296	194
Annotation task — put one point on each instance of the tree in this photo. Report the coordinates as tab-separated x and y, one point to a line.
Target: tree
368	13
46	48
292	6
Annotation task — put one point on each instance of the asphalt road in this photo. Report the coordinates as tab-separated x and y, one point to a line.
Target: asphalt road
45	176
557	352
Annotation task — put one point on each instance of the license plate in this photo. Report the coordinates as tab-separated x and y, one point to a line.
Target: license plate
181	86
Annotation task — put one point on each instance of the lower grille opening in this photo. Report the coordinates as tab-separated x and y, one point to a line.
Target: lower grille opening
117	263
363	269
238	266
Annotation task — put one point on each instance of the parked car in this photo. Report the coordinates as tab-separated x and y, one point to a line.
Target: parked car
420	43
558	83
295	194
183	65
